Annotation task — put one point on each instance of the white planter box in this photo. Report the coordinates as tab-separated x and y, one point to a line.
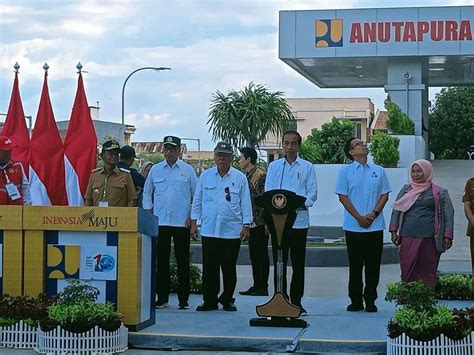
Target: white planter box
441	345
94	341
18	336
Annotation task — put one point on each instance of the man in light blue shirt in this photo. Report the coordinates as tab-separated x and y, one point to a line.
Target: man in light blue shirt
222	203
294	174
169	190
363	190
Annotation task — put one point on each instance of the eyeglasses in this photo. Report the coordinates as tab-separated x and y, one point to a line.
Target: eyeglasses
361	143
227	196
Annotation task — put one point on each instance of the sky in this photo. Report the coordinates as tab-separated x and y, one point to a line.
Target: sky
210	46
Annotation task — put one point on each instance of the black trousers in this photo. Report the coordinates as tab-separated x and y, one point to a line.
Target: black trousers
181	243
219	254
258	249
296	248
365	251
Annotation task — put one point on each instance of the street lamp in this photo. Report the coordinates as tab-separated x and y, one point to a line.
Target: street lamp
125	83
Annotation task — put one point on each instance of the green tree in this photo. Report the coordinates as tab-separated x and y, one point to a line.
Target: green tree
311	152
384	149
397	121
451	123
245	117
330	140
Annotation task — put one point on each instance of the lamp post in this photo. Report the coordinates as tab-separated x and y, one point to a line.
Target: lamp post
125	83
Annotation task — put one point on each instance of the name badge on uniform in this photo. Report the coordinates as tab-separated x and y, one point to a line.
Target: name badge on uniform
12	191
103	203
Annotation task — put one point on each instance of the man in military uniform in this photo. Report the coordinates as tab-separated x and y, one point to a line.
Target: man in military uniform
468	199
14	186
110	186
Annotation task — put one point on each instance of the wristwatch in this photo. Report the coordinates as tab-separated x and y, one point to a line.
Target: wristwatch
376	213
246	225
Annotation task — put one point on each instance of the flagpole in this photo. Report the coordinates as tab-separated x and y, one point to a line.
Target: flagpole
125	83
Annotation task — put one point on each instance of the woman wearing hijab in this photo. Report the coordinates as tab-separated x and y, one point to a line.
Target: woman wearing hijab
422	224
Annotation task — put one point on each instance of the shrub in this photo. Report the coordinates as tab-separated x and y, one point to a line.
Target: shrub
311	152
329	141
428	324
454	287
77	312
416	295
397	121
425	324
30	310
81	316
384	149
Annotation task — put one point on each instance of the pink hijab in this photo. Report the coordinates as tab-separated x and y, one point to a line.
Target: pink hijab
404	203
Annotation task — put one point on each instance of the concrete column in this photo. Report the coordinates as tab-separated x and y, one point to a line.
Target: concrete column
407	87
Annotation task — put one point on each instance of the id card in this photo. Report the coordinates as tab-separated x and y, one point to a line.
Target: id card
103	203
12	191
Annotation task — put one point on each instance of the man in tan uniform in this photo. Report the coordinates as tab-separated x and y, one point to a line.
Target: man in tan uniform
110	186
468	199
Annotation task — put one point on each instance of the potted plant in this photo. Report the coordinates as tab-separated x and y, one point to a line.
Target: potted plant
421	327
454	287
76	323
19	317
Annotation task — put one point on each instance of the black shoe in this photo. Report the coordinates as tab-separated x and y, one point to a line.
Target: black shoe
161	305
303	312
249	292
183	305
371	307
260	292
229	307
204	307
354	307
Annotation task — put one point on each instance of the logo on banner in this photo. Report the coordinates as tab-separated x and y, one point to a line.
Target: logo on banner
104	263
328	33
99	262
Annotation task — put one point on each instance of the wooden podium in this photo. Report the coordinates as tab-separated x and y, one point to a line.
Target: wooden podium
280	214
110	246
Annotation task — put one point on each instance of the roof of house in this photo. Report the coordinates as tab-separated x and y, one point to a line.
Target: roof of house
153	147
380	121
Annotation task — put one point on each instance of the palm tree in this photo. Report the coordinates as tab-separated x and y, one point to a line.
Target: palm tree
245	117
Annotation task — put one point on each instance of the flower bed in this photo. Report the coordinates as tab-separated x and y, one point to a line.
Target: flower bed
94	341
403	344
421	327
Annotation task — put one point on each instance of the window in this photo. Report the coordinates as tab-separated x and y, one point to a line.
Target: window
358	130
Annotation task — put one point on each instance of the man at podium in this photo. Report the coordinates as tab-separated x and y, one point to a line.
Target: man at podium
294	174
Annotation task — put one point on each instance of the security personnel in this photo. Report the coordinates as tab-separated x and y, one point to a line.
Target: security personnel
468	199
14	185
127	157
110	186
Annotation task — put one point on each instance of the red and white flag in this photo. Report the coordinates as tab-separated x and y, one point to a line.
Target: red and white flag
47	183
15	127
80	148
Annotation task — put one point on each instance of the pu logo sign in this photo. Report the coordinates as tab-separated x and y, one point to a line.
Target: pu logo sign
328	33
